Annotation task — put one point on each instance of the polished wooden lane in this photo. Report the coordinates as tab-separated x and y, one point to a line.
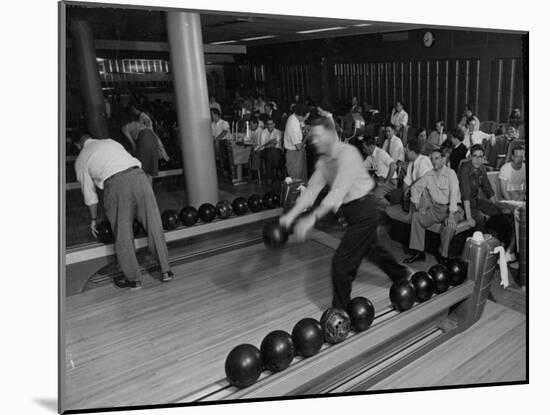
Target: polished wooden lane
166	341
492	350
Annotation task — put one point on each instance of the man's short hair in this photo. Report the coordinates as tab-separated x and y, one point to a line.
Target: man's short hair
369	141
517	148
254	121
325	122
414	145
215	111
301	110
458	133
476	147
471	119
437	150
388	125
269	120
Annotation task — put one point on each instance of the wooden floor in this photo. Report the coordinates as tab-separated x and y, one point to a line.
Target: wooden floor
167	341
492	350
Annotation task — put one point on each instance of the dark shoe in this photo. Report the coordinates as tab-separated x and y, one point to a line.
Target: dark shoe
418	256
123	282
441	259
167	276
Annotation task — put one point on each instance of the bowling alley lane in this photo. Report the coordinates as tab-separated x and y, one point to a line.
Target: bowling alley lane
166	342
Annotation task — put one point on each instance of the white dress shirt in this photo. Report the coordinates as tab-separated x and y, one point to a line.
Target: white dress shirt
394	147
255	135
380	161
399	119
267	136
476	137
98	160
218	127
293	132
417	169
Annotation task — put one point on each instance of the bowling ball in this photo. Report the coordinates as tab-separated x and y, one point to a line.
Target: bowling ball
277	350
274	235
402	295
308	337
243	365
336	325
189	216
440	275
458	270
105	233
424	286
361	313
137	228
240	206
271	200
255	203
207	212
170	219
222	210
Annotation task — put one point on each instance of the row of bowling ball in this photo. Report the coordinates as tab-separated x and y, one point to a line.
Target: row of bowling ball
245	362
423	285
207	212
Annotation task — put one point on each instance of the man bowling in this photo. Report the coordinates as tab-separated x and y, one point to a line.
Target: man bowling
341	167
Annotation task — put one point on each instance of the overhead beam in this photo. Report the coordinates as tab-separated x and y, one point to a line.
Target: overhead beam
102	44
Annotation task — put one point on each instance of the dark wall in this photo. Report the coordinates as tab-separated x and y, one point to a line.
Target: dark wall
434	82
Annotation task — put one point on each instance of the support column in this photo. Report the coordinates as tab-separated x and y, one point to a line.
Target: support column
191	92
90	84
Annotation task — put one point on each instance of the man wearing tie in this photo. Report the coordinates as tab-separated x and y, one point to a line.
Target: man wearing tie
393	145
380	162
473	136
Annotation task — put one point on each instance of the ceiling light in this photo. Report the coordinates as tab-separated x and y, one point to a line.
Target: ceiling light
225	41
259	37
325	29
362	24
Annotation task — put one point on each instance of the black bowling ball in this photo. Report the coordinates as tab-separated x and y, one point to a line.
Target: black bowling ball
402	295
424	286
274	235
255	203
189	216
223	210
271	200
277	350
308	337
440	276
243	365
458	270
239	205
105	233
361	313
170	219
207	212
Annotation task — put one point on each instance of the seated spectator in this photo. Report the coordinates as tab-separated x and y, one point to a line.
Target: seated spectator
435	199
436	137
419	164
393	145
421	136
382	167
466	115
472	177
473	136
214	104
354	124
254	132
459	150
515	119
256	115
399	117
220	130
512	179
271	149
272	113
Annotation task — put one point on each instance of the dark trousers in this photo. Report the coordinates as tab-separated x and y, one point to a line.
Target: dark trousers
481	207
129	195
272	157
360	240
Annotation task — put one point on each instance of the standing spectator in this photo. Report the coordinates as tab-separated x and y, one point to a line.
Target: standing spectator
421	136
473	177
270	145
294	143
393	145
213	104
459	151
127	196
147	146
512	178
466	115
142	117
399	117
435	199
383	167
220	130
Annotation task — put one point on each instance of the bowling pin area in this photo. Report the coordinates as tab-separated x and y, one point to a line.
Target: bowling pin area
168	343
